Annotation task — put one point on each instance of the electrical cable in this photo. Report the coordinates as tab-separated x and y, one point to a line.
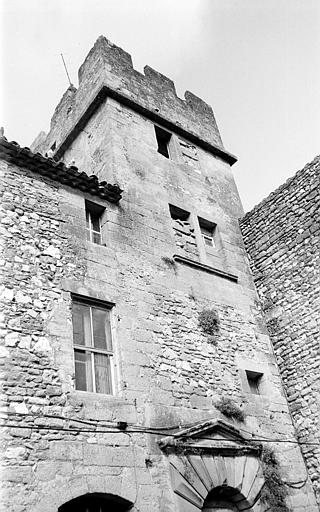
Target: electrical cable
145	431
153	430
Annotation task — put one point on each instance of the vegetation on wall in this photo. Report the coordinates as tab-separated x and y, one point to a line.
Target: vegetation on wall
209	322
230	409
274	491
170	263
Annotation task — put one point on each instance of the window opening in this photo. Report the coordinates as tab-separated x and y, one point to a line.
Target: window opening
177	213
254	381
93	219
92	343
184	232
207	229
163	138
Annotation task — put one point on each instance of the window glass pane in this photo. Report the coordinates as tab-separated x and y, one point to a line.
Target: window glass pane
96	238
81	324
77	322
101	328
83	370
208	240
95	221
102	370
88	219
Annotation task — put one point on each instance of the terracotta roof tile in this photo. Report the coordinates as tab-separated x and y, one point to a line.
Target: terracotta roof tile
58	171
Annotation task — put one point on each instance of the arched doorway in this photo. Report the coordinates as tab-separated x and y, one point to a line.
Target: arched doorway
222	499
222	506
96	502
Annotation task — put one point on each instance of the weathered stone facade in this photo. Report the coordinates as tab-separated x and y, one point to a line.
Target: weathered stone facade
282	237
157	443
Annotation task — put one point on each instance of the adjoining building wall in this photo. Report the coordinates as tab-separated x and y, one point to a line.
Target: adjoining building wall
282	237
168	374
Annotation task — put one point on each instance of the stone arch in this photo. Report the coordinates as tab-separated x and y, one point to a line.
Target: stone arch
199	478
97	502
58	493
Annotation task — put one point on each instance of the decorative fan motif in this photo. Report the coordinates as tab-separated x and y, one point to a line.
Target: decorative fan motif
194	477
212	463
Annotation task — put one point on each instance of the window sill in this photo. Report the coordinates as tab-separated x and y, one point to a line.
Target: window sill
90	397
205	268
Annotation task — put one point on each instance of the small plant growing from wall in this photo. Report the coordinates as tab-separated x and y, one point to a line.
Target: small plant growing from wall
274	491
230	409
170	263
209	323
192	295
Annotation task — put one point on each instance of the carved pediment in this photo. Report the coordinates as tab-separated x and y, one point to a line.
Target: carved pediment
215	436
213	456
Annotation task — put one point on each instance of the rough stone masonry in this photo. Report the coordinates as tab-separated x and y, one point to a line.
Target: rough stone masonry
158	440
282	237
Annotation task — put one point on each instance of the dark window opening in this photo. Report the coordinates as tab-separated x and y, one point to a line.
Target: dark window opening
178	213
207	229
163	138
53	147
92	343
94	213
254	381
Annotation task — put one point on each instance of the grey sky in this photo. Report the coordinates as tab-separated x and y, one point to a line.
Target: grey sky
254	61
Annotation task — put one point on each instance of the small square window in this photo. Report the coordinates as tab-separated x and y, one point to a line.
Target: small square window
177	213
207	229
94	213
92	343
254	381
163	138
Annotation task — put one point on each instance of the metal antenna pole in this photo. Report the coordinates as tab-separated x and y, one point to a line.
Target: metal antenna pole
65	67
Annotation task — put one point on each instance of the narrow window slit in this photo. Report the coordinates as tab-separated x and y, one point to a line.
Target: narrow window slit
163	138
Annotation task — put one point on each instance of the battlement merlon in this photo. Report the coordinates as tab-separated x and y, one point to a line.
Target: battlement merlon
108	71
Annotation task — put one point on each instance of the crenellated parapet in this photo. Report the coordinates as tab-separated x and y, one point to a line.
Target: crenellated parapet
108	72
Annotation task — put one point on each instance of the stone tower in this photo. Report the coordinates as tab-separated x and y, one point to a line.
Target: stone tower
139	371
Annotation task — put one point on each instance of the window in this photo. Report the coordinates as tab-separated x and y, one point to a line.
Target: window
254	380
207	229
183	232
177	213
163	138
92	343
93	218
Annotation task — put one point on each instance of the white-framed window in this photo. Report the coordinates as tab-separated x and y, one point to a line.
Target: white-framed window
93	348
94	214
207	229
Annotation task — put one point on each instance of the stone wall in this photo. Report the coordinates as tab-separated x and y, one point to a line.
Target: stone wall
282	237
168	372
